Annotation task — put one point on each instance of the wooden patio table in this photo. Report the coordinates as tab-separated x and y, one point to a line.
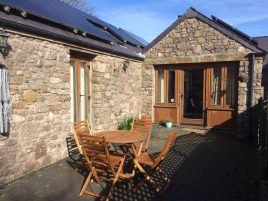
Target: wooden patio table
124	137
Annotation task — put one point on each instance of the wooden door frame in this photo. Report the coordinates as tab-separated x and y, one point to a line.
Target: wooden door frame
223	106
181	70
166	107
77	82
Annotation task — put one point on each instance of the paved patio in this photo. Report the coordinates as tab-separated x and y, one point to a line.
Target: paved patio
210	167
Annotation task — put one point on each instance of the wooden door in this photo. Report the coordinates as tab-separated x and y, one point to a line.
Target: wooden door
221	104
79	89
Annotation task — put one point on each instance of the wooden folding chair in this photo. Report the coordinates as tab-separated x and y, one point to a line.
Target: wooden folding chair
152	163
80	127
143	125
101	163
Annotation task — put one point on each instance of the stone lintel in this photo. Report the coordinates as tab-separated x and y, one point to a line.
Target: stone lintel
196	59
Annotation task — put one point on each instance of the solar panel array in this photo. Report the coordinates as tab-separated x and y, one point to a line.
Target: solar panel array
138	38
61	13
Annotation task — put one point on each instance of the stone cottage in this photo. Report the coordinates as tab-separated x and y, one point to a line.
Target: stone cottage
64	66
202	71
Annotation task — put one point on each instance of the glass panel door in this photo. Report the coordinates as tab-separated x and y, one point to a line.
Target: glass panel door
83	96
72	90
79	90
193	94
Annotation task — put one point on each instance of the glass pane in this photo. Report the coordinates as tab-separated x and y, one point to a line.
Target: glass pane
72	90
83	107
193	94
160	98
216	86
230	86
171	86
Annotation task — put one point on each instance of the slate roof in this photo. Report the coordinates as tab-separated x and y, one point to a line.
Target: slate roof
263	43
57	20
193	13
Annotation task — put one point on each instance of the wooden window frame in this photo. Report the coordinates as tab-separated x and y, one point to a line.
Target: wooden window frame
166	79
223	80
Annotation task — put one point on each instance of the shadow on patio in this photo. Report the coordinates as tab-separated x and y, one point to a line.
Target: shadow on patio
206	167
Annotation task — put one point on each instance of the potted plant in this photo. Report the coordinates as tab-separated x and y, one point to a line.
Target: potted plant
125	124
169	122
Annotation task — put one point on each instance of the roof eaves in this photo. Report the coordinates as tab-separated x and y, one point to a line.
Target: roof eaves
193	13
15	22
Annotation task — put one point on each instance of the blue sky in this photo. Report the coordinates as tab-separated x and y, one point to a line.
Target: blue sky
148	18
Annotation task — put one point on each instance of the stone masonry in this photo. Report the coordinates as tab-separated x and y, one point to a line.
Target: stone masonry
39	77
40	119
193	38
116	92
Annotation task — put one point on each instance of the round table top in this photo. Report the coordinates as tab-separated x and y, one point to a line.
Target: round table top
122	136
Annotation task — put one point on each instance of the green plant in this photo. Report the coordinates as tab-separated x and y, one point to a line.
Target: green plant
168	119
125	124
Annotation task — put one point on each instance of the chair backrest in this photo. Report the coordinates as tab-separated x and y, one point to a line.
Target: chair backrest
95	150
166	148
80	127
143	125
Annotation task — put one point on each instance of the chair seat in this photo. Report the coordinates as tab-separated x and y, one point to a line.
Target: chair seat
137	145
146	159
115	159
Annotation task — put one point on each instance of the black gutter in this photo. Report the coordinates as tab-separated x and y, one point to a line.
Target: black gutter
51	35
250	98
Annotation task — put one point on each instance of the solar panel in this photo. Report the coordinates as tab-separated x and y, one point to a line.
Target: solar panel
114	30
138	38
61	13
240	33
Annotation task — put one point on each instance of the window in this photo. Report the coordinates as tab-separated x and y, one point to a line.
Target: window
165	85
223	85
160	86
230	87
171	86
216	86
4	101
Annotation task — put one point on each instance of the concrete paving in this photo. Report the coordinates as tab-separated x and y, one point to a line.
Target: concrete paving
211	167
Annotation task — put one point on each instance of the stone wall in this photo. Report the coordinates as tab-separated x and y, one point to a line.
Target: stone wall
40	121
116	93
193	38
148	89
39	77
243	94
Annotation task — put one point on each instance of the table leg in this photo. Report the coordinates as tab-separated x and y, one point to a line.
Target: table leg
136	154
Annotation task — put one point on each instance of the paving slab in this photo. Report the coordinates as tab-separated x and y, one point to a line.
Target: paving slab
211	167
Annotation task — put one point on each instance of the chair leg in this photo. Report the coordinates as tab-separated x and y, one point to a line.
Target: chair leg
95	175
120	168
111	189
150	180
166	178
146	176
86	183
